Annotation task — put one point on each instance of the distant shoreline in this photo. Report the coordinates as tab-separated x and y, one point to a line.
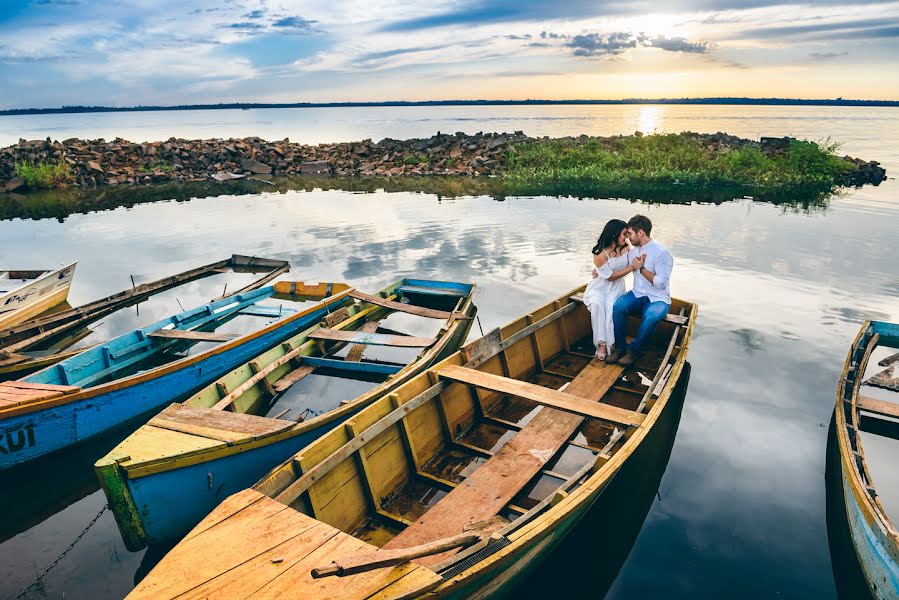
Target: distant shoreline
402	103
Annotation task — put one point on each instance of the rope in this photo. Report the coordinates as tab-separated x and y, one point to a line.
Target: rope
40	577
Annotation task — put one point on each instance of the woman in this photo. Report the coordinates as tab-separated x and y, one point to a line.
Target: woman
610	265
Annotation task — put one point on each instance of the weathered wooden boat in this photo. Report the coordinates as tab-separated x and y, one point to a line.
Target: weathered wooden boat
171	472
102	387
454	485
42	341
866	391
24	294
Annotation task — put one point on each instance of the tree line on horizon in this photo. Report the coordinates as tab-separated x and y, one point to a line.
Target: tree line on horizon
251	105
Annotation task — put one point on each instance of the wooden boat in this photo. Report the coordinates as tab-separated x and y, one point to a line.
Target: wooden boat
868	394
171	472
42	341
102	387
454	485
24	294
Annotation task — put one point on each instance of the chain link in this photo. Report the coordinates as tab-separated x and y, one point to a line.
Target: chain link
84	531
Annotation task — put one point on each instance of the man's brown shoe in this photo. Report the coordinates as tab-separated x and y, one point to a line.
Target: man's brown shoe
628	359
614	357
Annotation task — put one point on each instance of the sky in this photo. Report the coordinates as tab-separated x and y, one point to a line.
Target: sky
131	52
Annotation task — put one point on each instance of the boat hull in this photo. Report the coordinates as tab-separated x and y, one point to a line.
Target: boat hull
142	502
40	295
35	434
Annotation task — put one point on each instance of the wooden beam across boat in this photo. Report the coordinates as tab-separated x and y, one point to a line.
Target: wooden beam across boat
411	309
879	407
564	401
374	339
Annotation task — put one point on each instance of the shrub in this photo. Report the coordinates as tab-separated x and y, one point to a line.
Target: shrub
44	175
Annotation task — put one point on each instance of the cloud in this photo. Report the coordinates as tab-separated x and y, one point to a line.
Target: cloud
245	26
596	44
828	30
826	55
677	44
255	14
599	45
294	23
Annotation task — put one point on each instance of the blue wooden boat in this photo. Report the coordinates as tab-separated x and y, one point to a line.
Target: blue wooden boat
867	392
171	472
103	387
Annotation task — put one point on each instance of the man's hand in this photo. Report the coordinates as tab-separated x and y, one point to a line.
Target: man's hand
637	262
594	273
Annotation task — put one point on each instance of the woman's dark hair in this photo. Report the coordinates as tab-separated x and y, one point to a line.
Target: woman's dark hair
609	235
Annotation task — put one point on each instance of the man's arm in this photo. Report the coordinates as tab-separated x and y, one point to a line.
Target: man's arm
664	265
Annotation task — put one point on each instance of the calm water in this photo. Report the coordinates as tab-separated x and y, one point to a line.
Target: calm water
740	509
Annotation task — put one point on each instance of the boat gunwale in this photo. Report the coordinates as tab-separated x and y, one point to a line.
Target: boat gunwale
871	508
446	334
171	367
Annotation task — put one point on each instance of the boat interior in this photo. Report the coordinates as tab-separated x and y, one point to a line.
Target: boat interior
11	280
454	461
872	386
354	349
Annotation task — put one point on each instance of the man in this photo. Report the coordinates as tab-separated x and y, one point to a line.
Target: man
650	298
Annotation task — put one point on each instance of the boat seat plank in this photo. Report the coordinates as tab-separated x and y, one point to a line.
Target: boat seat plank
279	548
880	407
484	493
566	401
18	393
887	379
357	350
412	309
223	425
198	336
676	319
293	377
374	339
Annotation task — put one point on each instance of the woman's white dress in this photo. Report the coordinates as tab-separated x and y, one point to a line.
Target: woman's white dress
600	296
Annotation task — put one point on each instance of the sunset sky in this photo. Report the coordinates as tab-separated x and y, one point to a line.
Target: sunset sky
58	52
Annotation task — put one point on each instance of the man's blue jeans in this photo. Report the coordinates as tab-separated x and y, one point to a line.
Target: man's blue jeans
651	312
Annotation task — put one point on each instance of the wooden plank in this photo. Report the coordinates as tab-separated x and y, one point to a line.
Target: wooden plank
298	487
355	352
198	336
52	387
676	319
377	368
369	561
566	401
251	425
420	311
374	339
886	362
880	407
887	379
293	377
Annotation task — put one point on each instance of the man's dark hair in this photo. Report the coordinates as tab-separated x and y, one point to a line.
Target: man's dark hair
640	222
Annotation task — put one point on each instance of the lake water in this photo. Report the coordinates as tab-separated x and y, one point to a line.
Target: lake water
740	509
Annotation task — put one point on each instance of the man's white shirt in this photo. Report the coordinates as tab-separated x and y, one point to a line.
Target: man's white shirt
659	262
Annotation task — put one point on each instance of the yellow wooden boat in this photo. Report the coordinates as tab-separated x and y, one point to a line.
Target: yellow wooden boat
866	395
454	485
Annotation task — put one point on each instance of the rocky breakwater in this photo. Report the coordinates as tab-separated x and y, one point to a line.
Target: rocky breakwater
91	163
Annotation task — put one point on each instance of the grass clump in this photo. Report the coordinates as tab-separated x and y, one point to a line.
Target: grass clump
670	158
44	175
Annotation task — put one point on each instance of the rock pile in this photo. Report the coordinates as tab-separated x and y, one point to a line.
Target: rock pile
98	162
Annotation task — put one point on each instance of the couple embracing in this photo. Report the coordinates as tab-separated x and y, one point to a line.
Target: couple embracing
622	249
